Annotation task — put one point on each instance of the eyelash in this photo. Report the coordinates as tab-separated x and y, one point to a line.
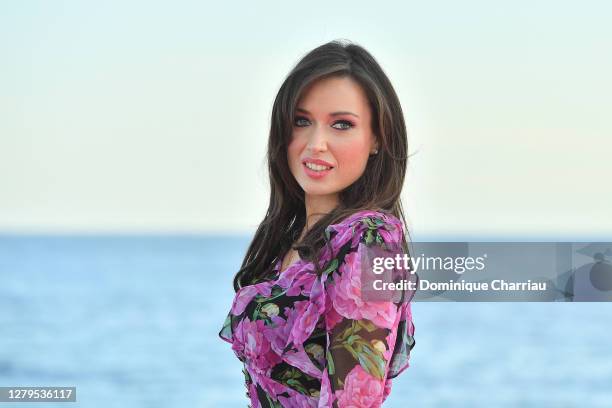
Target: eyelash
348	124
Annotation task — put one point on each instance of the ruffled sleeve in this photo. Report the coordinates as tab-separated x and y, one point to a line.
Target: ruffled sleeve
368	342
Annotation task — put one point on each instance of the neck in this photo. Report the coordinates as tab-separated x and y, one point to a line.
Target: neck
318	206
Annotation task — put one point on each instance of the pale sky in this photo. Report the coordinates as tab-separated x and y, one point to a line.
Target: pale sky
153	116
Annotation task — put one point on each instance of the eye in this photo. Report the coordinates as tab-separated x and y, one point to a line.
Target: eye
301	121
343	125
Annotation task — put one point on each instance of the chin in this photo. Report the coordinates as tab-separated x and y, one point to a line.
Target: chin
318	190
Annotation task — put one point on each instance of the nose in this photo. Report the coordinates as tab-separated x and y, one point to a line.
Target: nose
317	140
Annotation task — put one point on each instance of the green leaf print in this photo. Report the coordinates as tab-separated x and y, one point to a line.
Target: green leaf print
367	221
333	265
341	338
370	358
256	312
297	385
353	338
366	324
372	362
273	403
331	368
277	292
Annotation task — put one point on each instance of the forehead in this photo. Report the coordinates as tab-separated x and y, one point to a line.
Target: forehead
334	94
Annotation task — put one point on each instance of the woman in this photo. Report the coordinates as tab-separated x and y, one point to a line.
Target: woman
337	154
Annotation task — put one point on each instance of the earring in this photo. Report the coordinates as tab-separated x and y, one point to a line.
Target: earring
375	151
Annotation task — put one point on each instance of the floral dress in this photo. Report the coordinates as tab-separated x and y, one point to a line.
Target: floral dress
309	340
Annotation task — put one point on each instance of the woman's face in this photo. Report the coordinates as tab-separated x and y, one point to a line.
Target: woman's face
331	138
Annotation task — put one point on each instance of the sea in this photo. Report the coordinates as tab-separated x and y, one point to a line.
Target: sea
133	321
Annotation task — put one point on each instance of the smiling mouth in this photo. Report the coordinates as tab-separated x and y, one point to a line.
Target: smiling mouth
317	167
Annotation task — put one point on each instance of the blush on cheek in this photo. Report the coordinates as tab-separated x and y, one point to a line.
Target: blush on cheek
352	161
293	155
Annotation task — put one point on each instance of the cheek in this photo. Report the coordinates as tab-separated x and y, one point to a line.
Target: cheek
293	153
353	158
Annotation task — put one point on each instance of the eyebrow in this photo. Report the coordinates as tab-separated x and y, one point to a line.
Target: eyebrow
331	114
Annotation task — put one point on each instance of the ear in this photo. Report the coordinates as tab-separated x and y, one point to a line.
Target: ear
374	144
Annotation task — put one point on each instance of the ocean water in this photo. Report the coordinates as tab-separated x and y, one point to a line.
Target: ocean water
132	321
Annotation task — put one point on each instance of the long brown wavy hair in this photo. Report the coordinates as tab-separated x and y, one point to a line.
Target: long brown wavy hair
377	189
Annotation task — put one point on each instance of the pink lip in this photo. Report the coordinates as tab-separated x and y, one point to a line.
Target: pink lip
316	174
317	161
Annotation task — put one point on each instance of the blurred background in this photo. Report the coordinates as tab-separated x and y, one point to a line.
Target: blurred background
132	177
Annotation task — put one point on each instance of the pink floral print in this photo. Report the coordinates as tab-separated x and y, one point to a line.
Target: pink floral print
309	340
